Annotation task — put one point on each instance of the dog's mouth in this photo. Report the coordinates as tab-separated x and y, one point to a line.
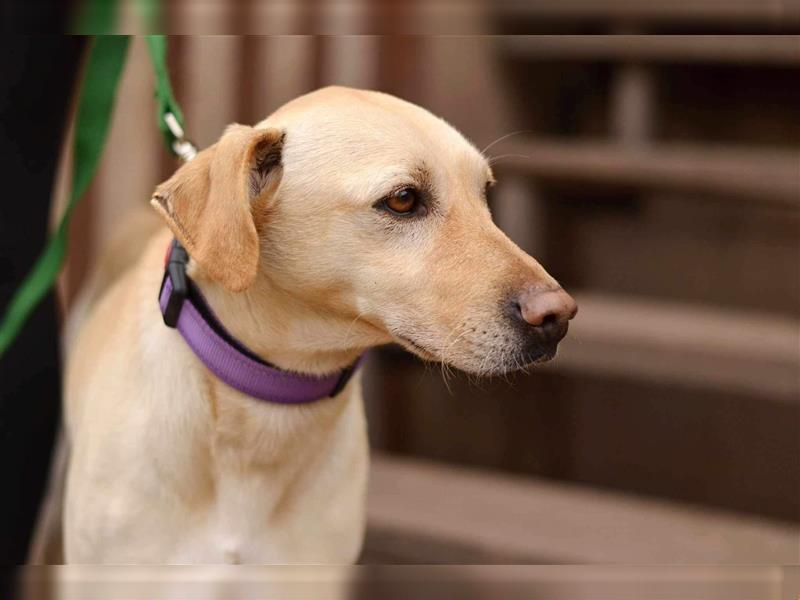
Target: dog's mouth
538	353
543	356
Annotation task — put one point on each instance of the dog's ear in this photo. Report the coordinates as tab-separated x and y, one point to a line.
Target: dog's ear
209	202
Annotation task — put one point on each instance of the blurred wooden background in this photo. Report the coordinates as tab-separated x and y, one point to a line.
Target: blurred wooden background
658	178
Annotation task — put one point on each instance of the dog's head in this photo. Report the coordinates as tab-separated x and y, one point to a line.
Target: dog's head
373	212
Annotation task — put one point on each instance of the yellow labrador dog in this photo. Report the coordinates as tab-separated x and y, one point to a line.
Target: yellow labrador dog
345	220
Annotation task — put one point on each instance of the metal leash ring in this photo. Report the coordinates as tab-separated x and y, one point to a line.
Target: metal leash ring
181	146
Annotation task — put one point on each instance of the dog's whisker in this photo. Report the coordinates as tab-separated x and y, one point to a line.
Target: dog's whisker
495	159
504	137
346	339
445	367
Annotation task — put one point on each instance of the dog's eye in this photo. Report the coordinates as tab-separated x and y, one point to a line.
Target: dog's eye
403	202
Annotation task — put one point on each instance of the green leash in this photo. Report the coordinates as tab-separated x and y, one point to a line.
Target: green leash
166	103
95	106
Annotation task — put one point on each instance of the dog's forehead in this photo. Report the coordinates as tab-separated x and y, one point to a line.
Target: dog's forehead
369	129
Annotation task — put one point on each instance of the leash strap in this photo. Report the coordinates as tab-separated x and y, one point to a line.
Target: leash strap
166	104
95	105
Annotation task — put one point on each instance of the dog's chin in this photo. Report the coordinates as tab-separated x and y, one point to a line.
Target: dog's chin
519	362
525	358
417	349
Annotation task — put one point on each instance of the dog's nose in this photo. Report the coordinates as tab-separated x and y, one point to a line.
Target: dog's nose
548	311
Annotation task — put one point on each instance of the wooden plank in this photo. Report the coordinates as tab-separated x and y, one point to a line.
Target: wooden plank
776	12
767	176
736	49
470	513
697	345
392	582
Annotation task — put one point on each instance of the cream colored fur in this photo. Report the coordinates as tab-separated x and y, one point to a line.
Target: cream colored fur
169	465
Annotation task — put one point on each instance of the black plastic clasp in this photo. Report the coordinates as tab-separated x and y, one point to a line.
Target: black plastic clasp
346	375
176	271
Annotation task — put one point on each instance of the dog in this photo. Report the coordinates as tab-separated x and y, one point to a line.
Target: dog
345	220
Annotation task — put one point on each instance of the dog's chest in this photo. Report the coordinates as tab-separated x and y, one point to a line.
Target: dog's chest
285	489
284	518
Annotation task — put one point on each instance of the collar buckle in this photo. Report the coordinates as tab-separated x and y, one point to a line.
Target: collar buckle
175	270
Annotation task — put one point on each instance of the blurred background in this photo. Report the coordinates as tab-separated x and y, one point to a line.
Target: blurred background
656	177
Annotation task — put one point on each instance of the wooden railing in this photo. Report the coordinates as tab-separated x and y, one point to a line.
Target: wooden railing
734	49
764	176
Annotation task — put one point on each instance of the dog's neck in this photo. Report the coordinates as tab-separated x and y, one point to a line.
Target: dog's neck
287	331
265	437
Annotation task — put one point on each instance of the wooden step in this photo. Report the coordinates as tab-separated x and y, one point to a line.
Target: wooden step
764	176
697	345
430	512
784	13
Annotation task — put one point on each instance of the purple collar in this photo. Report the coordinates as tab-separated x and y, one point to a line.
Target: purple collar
184	308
